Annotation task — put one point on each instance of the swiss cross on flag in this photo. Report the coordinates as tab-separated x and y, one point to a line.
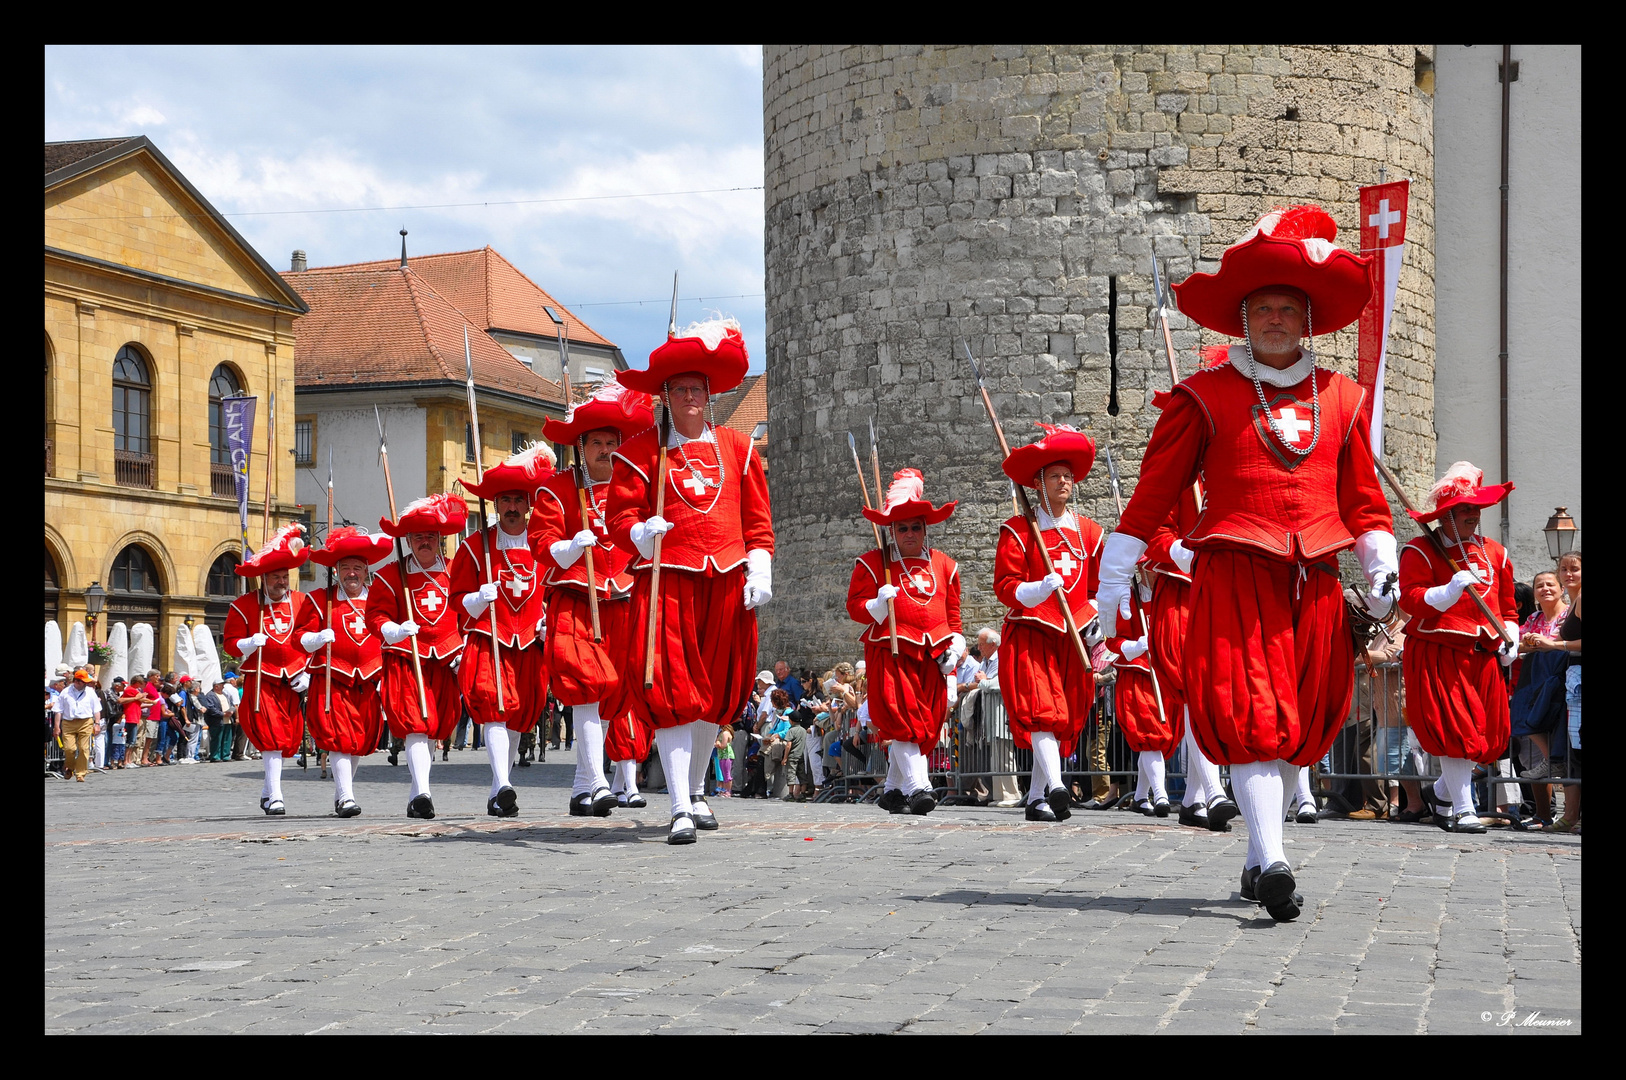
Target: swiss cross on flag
1383	237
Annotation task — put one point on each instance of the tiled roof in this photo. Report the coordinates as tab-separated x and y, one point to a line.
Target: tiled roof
490	290
60	155
387	325
748	409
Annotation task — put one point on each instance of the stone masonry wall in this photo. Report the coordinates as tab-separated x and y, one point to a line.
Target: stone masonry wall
918	195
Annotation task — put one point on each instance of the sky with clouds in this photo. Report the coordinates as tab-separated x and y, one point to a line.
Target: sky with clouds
270	135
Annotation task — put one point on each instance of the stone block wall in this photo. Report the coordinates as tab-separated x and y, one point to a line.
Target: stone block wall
918	196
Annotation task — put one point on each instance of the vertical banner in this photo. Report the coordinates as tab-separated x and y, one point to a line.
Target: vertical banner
1383	236
237	417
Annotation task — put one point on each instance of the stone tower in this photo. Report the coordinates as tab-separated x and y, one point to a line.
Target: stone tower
1013	196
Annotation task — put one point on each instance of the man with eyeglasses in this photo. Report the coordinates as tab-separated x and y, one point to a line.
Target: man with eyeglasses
908	693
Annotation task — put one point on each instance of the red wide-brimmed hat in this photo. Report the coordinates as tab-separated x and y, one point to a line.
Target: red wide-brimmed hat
905	500
525	471
714	349
1290	247
444	514
613	405
285	551
1462	485
352	542
1061	442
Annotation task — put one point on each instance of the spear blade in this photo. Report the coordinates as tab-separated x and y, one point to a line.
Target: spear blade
379	417
975	370
1112	471
1157	285
671	324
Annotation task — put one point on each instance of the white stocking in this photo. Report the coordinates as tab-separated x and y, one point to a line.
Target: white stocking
589	751
1202	776
894	769
1260	790
1141	780
704	742
1303	796
626	778
906	753
1151	763
1457	778
675	745
1046	766
273	774
923	772
418	757
497	752
344	767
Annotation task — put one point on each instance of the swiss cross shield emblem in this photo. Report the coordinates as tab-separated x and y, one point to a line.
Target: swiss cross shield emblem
916	581
428	602
692	471
1285	420
279	621
1064	556
514	584
354	625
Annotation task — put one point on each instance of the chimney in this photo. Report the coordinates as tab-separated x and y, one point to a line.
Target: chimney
297	266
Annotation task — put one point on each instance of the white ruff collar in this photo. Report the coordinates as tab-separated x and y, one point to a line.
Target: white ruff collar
439	564
1068	521
677	438
1288	376
504	540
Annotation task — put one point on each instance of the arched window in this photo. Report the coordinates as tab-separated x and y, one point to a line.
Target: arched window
136	589
53	586
132	419
223	587
222	384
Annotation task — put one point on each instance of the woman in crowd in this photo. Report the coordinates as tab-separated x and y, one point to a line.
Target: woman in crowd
1539	680
1567	640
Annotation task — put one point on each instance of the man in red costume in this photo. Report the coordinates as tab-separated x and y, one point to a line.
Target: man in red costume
419	616
512	597
1290	483
908	693
263	628
1048	688
588	675
1146	711
716	556
348	729
1457	699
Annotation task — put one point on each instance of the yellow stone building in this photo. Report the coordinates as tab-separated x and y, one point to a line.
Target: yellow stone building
155	308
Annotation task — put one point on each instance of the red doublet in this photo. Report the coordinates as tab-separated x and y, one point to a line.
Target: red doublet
275	723
356	716
908	695
1269	662
1135	702
519	607
1457	700
1045	684
438	642
580	670
1170	614
706	642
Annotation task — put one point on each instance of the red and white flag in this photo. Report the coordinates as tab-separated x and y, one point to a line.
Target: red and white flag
1383	235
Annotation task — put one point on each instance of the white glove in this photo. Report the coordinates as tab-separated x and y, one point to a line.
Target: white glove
247	645
301	682
953	691
394	633
1182	556
454	663
644	533
1033	593
1508	653
476	602
1375	551
566	552
315	639
542	628
952	655
758	578
1134	650
1118	558
1091	632
1441	597
877	606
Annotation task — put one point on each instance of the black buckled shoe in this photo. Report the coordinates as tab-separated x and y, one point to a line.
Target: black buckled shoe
1160	808
1274	888
503	804
346	808
1220	812
603	802
1061	804
581	805
274	808
922	802
1189	816
704	819
683	830
1248	890
634	801
893	802
1040	811
421	807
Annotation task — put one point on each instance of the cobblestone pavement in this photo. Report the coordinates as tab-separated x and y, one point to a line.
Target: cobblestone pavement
171	904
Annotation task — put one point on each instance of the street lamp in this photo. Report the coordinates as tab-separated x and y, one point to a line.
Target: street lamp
95	599
1561	532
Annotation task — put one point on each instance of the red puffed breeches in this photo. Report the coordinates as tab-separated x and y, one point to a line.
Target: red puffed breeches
523	684
1456	701
908	695
627	738
705	648
276	722
401	698
1138	718
353	723
1169	617
582	671
1045	685
1269	663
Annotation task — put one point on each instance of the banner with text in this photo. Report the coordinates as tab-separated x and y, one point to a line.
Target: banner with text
237	419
